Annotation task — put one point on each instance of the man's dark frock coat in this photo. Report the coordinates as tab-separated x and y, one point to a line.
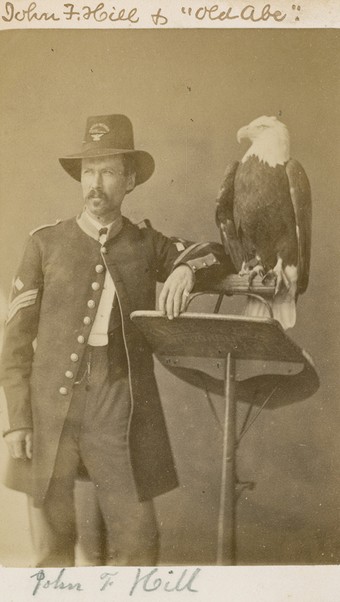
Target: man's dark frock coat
55	297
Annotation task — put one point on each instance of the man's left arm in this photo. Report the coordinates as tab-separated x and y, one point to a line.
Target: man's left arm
187	266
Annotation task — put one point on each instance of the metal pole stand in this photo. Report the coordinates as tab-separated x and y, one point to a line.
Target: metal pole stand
226	534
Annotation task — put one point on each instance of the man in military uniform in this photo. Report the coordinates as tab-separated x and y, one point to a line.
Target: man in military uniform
85	394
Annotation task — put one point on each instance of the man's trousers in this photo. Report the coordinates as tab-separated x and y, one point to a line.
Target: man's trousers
95	436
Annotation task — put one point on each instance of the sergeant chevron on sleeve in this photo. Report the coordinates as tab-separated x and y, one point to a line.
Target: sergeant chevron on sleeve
77	374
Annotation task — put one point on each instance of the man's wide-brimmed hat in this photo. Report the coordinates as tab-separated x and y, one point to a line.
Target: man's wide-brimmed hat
105	136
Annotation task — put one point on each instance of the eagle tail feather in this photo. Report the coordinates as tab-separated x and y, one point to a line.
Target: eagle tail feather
256	309
284	310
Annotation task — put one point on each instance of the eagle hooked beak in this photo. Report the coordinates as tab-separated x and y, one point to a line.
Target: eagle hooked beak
242	133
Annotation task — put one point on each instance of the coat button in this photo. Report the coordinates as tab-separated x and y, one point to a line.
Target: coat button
95	286
63	391
81	339
99	269
104	250
74	357
69	374
87	320
91	304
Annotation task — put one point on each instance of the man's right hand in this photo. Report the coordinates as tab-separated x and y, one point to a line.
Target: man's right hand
20	443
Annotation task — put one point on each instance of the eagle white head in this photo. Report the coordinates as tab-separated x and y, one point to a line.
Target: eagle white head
270	140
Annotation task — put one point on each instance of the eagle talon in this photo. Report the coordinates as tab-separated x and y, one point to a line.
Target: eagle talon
268	277
278	274
249	266
245	269
258	270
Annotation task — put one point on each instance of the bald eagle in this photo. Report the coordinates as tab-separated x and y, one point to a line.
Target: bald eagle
264	214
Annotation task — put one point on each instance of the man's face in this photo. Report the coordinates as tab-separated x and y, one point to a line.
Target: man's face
105	185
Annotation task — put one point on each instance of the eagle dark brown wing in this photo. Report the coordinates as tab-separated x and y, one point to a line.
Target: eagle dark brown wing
300	193
225	217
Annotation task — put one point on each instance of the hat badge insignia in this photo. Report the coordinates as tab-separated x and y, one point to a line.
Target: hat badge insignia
98	130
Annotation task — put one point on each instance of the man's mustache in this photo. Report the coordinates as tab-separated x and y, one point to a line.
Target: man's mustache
96	193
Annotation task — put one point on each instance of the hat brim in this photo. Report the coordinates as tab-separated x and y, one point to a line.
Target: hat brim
145	164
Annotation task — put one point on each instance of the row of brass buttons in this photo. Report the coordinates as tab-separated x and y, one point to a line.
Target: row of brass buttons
91	304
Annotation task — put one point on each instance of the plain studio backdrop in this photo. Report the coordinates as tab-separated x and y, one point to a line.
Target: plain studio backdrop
187	93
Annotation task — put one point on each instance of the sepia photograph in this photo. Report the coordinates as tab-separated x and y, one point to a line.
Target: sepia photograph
169	298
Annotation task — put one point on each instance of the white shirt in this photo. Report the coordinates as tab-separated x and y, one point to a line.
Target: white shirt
99	331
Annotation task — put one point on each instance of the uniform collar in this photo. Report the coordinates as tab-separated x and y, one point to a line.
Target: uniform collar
91	227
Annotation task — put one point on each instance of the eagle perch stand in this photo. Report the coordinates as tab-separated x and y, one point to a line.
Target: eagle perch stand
246	359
